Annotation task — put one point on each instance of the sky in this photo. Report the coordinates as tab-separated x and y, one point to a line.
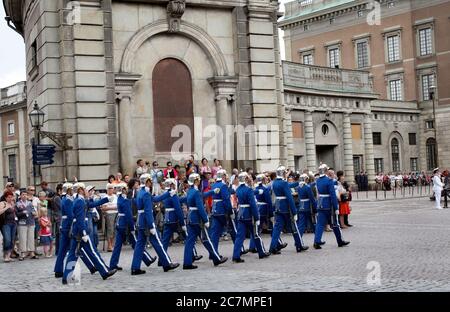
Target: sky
12	52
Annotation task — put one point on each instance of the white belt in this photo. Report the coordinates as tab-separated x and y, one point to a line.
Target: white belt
217	200
281	197
170	209
261	203
244	206
75	220
193	208
141	211
324	195
304	200
63	217
121	214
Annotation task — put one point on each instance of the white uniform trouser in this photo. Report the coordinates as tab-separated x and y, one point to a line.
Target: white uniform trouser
437	194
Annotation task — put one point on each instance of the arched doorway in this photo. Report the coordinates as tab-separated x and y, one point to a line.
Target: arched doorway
431	154
395	151
172	102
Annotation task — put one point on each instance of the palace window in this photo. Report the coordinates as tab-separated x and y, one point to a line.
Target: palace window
334	57
12	166
413	164
429	124
395	90
425	41
376	137
11	128
427	82
431	154
395	150
412	138
362	54
307	59
393	48
379	165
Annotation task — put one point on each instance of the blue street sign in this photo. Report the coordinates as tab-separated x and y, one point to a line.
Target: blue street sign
43	154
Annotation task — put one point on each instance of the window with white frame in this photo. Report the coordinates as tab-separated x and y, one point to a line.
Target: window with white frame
425	41
395	90
307	59
427	82
393	48
11	128
362	54
333	57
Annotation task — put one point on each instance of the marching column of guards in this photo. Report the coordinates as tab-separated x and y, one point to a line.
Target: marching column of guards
253	212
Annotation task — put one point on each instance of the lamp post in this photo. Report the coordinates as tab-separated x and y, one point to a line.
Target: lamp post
432	92
61	139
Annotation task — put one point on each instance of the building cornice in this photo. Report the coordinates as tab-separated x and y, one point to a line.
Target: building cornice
13	12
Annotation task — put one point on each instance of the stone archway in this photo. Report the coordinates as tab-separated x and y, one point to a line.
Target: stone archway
187	29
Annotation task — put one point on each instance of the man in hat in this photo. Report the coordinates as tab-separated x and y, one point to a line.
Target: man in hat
327	207
80	241
437	187
92	215
307	203
198	225
248	219
147	229
285	211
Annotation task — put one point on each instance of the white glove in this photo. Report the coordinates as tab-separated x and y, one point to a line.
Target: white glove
184	228
272	219
337	212
133	233
85	238
295	218
261	191
217	190
207	225
153	231
232	216
173	193
257	223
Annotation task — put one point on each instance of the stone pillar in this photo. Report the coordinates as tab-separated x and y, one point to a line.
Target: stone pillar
290	162
310	142
368	144
225	95
124	93
348	148
21	117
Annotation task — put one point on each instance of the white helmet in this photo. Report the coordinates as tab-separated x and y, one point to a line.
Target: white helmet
260	178
193	177
242	177
323	169
169	182
79	185
220	174
144	178
67	186
304	178
281	171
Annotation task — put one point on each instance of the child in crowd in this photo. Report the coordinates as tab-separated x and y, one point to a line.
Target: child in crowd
45	233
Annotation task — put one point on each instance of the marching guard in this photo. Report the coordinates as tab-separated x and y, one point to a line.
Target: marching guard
147	229
80	240
327	208
306	204
285	212
248	219
198	225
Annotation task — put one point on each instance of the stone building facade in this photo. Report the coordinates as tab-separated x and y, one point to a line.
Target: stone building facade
405	46
13	136
118	75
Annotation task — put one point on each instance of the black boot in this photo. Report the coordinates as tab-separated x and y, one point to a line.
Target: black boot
137	272
253	250
93	270
265	255
245	251
222	260
109	274
171	266
317	246
189	267
275	252
238	260
196	258
282	246
58	274
303	248
343	243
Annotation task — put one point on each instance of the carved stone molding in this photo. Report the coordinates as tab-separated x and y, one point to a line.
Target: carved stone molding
124	83
175	10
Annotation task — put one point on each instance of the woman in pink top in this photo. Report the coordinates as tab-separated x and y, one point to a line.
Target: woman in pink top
215	168
45	232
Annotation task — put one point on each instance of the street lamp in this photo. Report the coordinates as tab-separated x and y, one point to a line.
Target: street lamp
36	117
432	93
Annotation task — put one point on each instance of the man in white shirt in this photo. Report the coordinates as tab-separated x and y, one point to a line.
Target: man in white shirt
437	187
110	211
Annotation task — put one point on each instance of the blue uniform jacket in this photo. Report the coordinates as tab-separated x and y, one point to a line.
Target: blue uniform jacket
144	201
221	202
282	188
197	212
66	213
176	215
328	200
80	206
306	199
125	215
264	201
247	203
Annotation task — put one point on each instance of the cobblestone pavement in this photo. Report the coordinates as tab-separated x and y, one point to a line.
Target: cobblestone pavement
408	238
